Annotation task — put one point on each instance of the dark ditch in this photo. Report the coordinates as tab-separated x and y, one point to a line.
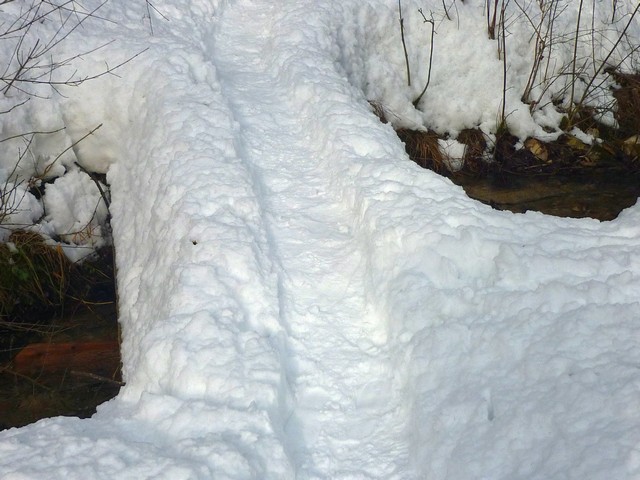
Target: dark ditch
61	358
565	178
599	196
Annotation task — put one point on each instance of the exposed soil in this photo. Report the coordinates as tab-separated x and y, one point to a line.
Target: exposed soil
566	177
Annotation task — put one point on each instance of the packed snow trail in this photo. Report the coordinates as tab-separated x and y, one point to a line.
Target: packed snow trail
275	74
412	397
299	300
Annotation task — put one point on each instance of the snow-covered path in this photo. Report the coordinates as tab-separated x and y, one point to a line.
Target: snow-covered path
274	81
299	300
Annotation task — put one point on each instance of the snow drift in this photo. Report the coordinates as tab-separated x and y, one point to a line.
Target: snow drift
298	300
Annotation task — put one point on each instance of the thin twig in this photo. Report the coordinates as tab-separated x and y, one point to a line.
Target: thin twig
10	371
74	144
99	378
151	6
33	64
575	55
104	196
433	32
446	12
504	63
23	135
404	45
606	59
491	20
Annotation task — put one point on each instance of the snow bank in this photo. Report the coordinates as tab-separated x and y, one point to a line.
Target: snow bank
298	300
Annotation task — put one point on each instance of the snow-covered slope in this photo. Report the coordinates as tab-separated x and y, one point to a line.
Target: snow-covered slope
299	300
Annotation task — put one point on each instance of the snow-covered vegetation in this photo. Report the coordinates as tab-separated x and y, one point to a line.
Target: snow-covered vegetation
298	299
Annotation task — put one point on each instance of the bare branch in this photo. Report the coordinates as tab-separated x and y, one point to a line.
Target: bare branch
433	32
404	45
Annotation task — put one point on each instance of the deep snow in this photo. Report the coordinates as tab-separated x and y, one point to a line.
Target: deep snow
299	300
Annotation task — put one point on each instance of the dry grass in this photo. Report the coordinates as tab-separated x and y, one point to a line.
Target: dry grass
33	275
627	97
475	152
423	148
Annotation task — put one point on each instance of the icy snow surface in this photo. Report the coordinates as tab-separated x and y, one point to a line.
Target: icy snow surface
298	300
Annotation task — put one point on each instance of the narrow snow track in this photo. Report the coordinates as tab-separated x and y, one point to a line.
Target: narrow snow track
300	301
332	419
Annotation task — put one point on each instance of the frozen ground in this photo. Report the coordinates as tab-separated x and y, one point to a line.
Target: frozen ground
299	300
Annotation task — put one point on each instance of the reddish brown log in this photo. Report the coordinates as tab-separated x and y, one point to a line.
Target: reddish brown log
100	358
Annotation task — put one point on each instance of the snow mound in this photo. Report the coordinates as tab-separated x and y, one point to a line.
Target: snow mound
299	300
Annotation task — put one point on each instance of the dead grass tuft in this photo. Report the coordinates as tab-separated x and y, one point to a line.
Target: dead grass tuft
33	275
627	97
379	111
475	152
423	148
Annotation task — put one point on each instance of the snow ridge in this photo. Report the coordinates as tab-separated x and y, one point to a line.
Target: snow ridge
334	420
193	267
299	300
